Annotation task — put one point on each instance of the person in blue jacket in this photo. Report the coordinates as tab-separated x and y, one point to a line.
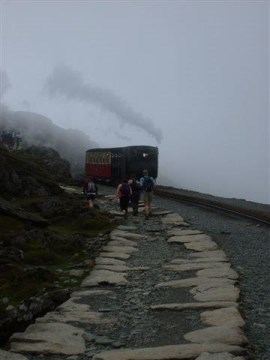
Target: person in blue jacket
147	182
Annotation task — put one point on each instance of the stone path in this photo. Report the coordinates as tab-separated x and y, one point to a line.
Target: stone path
198	268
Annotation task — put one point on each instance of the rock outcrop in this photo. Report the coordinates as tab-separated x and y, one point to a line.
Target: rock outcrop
22	175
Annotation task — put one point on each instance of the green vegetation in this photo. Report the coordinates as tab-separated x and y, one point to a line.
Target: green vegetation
89	224
45	232
27	249
48	237
10	226
35	259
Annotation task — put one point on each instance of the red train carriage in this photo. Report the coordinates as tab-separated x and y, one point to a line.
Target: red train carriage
110	165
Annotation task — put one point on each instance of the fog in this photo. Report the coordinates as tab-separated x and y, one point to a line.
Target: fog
64	81
191	77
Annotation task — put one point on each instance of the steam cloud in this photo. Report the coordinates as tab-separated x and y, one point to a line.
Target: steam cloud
69	83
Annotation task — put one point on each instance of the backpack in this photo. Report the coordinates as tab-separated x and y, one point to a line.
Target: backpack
135	186
125	189
91	187
148	184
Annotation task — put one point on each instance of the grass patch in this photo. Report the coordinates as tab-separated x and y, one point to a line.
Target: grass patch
38	272
34	259
10	226
18	283
55	252
89	224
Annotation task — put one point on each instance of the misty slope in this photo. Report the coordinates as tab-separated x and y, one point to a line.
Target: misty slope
38	130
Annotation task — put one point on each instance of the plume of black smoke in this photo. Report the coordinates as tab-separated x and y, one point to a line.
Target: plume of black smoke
69	83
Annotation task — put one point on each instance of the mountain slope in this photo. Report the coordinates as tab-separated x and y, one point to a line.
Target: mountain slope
36	129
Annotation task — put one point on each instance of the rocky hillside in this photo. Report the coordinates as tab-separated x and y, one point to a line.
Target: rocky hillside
36	129
33	171
46	235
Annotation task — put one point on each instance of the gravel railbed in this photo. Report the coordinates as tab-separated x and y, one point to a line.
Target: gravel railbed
240	203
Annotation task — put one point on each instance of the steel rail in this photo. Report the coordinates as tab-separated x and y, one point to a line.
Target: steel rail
258	216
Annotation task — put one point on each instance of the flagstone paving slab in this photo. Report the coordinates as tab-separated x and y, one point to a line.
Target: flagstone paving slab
219	356
116	213
116	268
194	266
194	305
225	316
201	245
196	281
174	219
7	355
232	335
198	260
121	268
218	273
189	238
128	235
109	261
205	292
71	311
92	292
169	352
77	272
117	241
126	227
180	232
52	338
119	249
116	255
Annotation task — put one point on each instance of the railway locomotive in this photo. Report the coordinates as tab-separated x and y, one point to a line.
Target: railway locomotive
111	165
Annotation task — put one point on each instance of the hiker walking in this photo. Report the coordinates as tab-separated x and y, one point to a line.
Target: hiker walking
136	193
90	190
147	183
124	193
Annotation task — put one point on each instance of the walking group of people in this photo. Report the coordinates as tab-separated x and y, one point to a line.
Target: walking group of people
128	192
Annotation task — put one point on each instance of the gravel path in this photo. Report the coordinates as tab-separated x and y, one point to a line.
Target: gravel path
247	246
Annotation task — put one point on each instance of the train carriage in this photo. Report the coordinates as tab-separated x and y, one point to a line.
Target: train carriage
110	165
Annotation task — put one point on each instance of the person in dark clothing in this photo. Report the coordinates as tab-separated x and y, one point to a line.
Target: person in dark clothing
90	190
124	193
136	193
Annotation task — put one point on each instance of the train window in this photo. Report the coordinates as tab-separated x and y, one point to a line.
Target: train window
99	157
105	158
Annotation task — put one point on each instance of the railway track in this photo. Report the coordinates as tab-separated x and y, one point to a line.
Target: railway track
259	216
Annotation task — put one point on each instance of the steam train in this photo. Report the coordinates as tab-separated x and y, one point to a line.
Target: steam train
111	165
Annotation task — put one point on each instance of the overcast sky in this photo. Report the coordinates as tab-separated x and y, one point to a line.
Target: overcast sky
191	77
